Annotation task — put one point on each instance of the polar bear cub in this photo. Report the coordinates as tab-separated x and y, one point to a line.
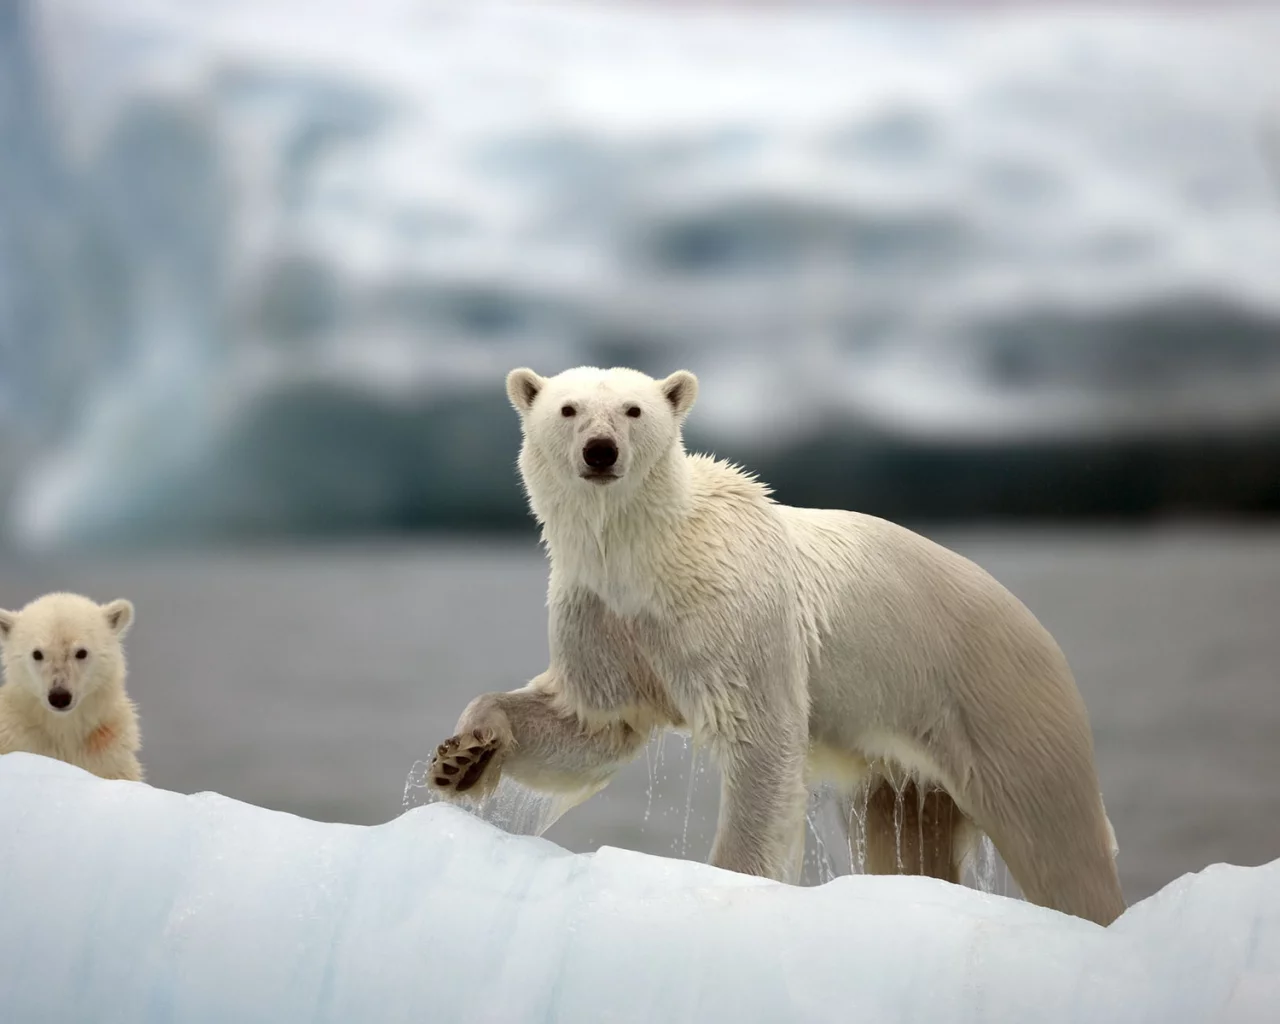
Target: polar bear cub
793	643
63	694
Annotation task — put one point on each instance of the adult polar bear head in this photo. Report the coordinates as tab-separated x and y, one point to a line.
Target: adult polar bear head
596	435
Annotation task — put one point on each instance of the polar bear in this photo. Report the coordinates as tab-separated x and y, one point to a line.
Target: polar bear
63	694
793	643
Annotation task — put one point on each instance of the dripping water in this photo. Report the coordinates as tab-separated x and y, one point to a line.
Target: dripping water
648	763
921	795
858	827
694	768
898	813
512	807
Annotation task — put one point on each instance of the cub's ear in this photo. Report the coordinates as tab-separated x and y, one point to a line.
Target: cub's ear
7	619
523	386
680	389
119	614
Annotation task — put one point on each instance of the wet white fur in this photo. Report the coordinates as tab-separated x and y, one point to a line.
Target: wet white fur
790	641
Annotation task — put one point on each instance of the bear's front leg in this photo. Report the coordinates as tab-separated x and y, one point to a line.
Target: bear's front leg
473	756
763	798
528	734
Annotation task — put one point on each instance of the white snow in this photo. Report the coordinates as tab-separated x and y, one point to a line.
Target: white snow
124	903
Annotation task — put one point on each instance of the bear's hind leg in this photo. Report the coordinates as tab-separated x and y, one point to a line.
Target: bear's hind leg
1068	868
1053	834
911	829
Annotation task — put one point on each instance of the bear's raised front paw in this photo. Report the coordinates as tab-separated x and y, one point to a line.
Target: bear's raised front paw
460	761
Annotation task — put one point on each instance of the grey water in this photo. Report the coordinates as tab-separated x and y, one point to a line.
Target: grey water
310	679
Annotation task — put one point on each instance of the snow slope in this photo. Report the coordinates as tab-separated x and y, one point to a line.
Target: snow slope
124	903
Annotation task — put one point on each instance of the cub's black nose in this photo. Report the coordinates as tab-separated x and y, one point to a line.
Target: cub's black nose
59	698
600	453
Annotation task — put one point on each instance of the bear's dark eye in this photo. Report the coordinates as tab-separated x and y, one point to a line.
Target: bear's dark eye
38	655
81	654
633	411
568	410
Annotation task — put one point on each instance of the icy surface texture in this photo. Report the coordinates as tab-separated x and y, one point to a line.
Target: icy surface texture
262	264
123	903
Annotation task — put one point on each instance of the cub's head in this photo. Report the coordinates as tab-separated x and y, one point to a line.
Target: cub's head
593	428
61	648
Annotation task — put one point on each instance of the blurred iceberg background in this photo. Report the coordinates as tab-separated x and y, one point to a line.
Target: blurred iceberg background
264	266
1009	272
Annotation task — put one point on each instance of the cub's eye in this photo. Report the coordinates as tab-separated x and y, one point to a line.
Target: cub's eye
568	410
81	654
37	655
633	411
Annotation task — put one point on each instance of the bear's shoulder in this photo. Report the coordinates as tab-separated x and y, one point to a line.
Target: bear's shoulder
720	481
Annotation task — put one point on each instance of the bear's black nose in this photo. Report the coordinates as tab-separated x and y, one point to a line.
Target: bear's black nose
600	453
59	698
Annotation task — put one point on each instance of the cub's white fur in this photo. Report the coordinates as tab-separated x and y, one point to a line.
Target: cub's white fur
63	694
790	641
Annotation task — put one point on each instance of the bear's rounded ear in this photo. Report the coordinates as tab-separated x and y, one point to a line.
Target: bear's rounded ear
119	614
7	619
523	386
680	389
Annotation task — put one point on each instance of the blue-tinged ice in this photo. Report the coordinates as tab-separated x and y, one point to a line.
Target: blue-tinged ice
124	903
